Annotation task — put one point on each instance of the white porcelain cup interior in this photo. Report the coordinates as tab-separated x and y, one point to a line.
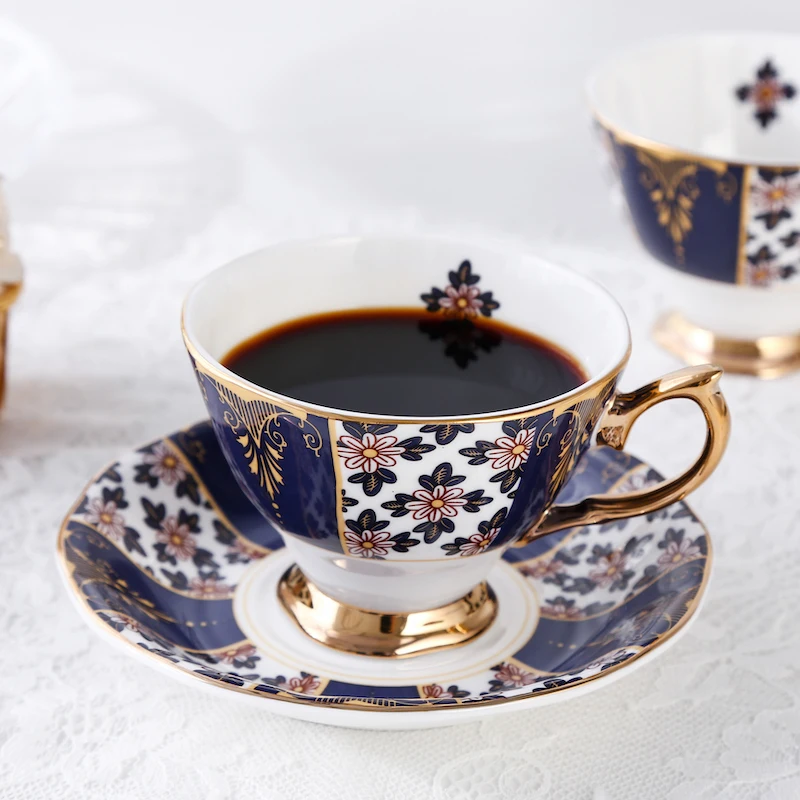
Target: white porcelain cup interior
679	91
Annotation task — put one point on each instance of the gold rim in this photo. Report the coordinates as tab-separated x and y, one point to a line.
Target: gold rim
344	702
674	152
763	357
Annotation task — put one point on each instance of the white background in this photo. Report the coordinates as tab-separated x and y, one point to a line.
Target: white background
200	130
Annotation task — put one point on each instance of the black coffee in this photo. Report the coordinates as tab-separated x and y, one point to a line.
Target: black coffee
405	363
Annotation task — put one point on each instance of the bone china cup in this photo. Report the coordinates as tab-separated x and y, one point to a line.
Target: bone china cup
703	132
369	566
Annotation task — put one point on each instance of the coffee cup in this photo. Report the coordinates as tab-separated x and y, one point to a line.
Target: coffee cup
371	577
703	134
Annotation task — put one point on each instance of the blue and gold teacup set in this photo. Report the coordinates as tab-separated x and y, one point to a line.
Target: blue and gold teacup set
703	134
354	568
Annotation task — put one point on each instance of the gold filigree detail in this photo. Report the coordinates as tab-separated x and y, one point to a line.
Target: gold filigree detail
581	419
727	186
256	425
673	189
611	436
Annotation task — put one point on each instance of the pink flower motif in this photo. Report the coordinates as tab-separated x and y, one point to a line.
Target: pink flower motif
478	543
165	464
773	196
678	552
240	653
539	570
509	453
302	684
443	501
369	452
105	517
209	588
464	300
435	692
368	544
513	677
609	568
178	539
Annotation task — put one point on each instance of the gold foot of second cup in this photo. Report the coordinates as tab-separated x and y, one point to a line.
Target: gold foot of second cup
377	633
764	357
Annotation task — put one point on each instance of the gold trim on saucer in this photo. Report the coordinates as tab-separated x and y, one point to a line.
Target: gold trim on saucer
763	357
377	633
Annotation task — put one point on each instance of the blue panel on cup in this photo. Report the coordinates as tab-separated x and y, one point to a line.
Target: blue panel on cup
201	448
686	211
561	439
282	462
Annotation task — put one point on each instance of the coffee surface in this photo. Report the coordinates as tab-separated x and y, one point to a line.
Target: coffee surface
405	363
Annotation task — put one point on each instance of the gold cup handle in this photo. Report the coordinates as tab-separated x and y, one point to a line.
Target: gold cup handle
699	384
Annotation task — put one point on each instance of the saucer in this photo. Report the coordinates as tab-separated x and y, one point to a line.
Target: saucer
165	556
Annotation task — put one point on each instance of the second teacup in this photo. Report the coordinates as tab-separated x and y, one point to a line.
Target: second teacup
396	520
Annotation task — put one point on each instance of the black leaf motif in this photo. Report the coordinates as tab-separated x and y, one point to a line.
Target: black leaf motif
403	541
177	580
116	496
131	541
155	514
414	449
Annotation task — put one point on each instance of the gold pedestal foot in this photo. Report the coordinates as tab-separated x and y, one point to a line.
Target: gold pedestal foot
376	633
764	357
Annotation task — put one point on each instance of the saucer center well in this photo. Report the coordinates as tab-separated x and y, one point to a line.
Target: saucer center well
266	624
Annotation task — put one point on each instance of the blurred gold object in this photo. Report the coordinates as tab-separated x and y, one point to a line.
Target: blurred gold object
765	357
10	287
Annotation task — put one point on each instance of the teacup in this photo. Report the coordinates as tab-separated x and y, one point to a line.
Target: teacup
373	580
703	132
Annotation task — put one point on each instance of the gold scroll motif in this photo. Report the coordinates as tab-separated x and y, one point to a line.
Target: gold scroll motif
581	420
672	184
256	425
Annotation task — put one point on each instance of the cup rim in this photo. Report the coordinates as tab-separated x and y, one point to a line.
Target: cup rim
626	135
215	369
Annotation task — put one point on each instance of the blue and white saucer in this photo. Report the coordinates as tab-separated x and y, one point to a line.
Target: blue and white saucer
166	556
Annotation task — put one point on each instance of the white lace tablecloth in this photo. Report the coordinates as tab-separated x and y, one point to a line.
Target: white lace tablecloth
144	189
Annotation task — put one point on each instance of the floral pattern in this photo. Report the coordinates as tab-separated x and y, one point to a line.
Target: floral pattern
367	537
304	683
478	543
763	270
510	676
160	464
462	298
105	516
434	691
507	454
370	450
666	555
437	502
765	93
773	228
